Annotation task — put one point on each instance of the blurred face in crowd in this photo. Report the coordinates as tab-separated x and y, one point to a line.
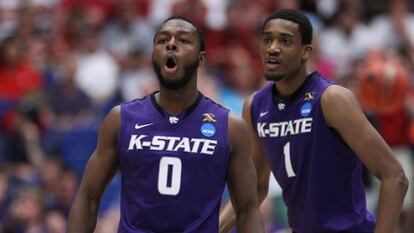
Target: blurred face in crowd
55	222
67	188
176	54
27	207
281	49
126	12
9	51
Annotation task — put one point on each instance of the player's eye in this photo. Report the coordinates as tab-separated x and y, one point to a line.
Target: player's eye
162	41
287	41
266	39
183	41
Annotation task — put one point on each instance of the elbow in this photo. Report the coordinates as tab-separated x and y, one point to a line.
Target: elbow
393	176
402	181
399	178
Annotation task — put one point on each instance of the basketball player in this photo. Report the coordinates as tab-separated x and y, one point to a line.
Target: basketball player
175	150
313	135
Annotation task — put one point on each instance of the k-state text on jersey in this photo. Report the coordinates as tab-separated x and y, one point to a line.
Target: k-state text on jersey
284	128
169	143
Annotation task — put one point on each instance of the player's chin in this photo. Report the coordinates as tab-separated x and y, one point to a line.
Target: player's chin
173	82
274	76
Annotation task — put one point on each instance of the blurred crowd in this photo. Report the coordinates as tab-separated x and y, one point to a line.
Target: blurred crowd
65	63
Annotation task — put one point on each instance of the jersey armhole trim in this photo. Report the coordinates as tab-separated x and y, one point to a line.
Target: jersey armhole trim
121	130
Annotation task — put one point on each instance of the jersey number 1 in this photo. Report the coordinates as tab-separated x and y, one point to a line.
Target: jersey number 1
288	162
174	173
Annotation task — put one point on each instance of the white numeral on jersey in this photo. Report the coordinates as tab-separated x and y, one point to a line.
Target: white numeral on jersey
165	164
288	162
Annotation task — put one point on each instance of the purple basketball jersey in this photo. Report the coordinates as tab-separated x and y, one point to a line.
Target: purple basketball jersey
173	170
320	175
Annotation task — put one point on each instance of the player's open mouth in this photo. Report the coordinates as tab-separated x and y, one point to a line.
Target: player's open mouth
170	64
272	63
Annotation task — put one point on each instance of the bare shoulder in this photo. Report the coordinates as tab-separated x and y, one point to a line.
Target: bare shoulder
336	94
339	104
246	108
114	116
236	125
248	102
111	125
238	132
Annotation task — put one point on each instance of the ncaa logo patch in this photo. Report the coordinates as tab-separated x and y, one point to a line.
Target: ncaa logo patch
306	109
208	129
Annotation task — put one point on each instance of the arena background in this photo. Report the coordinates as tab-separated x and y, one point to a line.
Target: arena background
65	63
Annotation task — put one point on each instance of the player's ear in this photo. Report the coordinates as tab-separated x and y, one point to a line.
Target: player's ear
202	58
307	52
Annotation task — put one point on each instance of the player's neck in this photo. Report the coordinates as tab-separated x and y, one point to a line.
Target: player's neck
287	86
176	101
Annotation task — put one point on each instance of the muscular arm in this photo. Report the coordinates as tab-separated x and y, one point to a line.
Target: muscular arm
343	113
228	217
99	171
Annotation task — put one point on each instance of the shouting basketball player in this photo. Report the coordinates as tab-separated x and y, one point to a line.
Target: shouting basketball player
175	150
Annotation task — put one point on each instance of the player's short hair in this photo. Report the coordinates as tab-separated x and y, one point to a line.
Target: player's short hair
305	26
200	34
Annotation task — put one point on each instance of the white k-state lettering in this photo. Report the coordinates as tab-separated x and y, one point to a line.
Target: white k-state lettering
284	128
168	143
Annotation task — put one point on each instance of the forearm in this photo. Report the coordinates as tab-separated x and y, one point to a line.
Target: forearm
227	218
249	221
83	215
391	197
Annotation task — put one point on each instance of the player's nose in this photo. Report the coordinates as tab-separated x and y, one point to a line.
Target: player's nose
172	45
273	48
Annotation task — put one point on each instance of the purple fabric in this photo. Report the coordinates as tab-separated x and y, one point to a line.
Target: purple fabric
173	173
320	175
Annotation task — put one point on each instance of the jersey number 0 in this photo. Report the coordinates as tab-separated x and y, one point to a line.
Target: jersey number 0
169	167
